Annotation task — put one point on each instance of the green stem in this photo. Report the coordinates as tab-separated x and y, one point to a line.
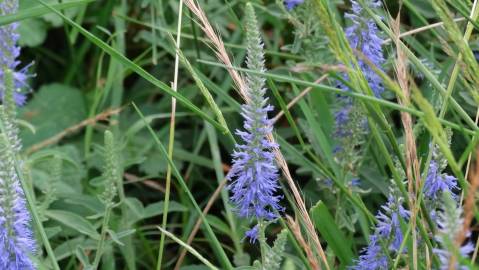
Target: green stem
28	195
171	139
215	244
262	241
101	243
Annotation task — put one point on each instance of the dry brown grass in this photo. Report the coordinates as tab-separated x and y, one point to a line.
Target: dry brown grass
412	163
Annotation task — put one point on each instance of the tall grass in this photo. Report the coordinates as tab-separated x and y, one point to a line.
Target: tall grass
148	141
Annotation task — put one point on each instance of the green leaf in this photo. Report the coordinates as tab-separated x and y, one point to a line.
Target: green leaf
90	202
137	69
53	109
115	238
74	221
33	32
324	222
136	209
218	224
274	256
67	248
156	209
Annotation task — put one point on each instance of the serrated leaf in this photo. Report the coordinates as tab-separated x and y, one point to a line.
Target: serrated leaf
274	256
74	221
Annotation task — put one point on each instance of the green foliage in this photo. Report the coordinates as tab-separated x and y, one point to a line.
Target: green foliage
48	113
274	255
94	166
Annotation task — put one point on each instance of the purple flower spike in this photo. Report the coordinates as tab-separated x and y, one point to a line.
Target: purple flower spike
290	4
388	230
16	238
253	234
254	174
436	183
9	52
363	37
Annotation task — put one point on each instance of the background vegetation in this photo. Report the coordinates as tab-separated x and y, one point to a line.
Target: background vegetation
110	65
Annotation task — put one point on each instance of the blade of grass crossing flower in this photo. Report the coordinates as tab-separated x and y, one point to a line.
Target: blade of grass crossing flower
455	71
189	248
214	241
171	138
427	73
137	69
321	87
434	127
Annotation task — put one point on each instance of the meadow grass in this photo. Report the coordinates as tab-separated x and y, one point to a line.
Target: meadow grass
232	134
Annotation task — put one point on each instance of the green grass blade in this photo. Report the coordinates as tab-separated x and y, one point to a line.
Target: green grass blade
324	222
380	102
189	248
137	69
29	13
215	243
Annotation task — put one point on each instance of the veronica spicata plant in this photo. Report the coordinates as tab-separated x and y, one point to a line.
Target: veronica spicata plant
9	52
437	182
254	174
387	235
350	121
17	244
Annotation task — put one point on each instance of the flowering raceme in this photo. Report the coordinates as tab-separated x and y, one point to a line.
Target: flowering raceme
9	52
254	174
388	230
17	244
437	183
16	238
363	37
